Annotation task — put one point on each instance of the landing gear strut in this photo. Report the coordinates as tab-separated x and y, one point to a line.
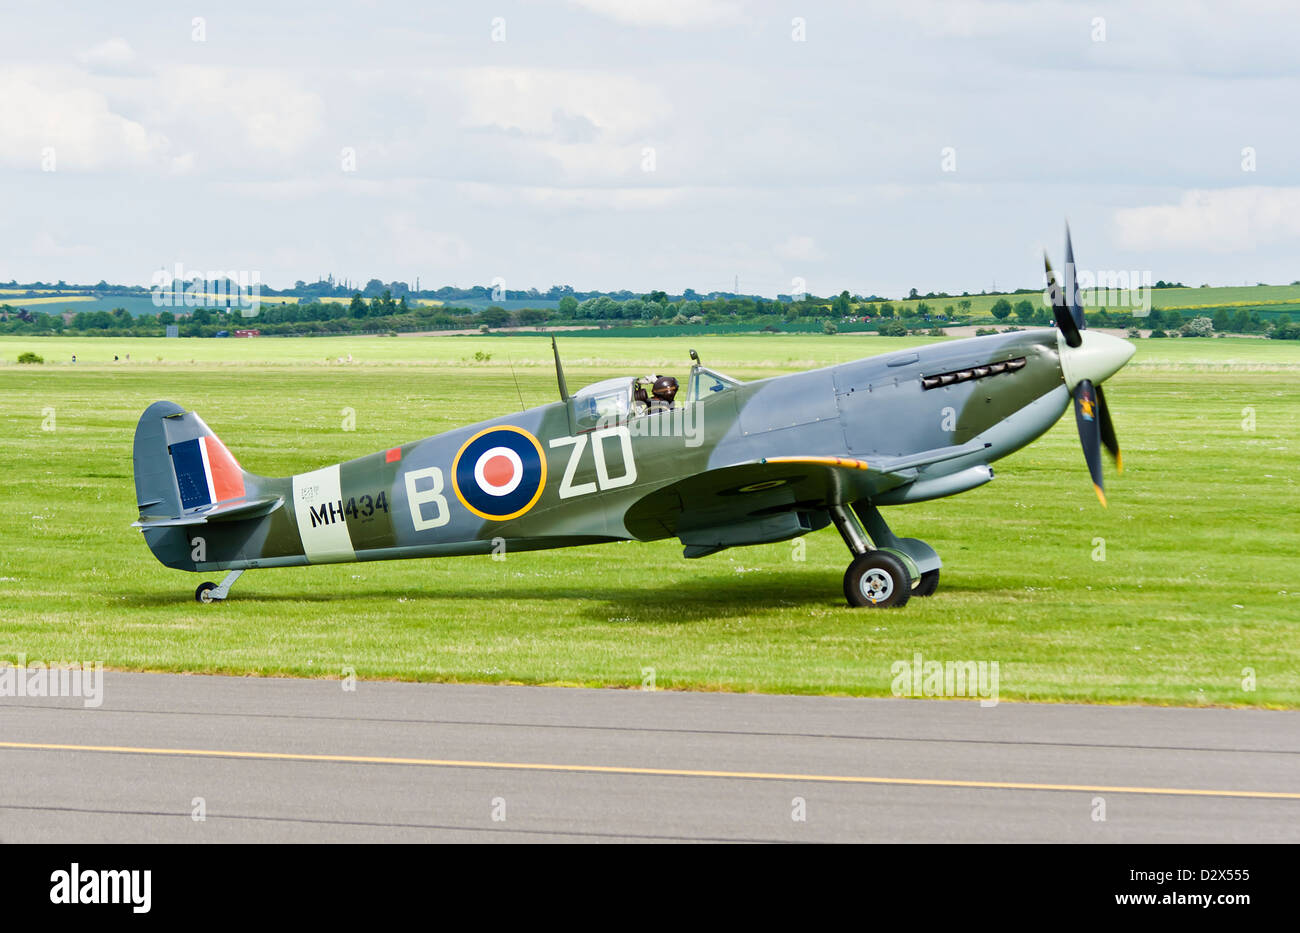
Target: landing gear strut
886	570
210	593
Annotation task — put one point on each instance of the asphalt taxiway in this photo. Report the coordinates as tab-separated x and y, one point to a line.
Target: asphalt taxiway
263	759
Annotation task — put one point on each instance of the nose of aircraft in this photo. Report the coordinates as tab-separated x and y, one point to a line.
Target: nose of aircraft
1098	358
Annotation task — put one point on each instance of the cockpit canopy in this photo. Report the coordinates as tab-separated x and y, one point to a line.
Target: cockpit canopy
613	400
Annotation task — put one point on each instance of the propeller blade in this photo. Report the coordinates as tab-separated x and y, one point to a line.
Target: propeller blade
1108	438
1072	284
1089	424
1064	319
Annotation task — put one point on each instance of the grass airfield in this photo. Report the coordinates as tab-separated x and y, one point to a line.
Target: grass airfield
1199	581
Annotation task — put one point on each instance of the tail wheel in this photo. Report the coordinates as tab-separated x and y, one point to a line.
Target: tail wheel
204	593
877	580
928	584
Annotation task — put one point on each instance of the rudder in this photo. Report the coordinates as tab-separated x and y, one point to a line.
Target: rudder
180	464
185	476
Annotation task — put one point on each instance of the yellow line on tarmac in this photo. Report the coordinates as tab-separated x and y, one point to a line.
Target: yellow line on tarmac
655	772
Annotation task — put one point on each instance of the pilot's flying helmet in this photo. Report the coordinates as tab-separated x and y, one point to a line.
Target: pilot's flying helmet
665	388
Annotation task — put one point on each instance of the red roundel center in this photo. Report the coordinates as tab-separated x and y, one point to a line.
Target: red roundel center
499	470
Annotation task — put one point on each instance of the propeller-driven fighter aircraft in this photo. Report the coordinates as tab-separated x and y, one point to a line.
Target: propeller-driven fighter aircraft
725	464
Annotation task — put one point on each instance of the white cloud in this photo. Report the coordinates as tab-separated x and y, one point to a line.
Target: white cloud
179	120
112	57
571	128
548	102
572	199
800	249
46	246
675	14
41	111
1229	220
219	109
771	158
416	245
964	19
546	126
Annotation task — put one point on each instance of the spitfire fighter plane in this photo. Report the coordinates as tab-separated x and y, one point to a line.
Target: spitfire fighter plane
726	464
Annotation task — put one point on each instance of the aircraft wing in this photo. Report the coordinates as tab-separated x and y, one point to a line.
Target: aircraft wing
745	492
236	510
756	490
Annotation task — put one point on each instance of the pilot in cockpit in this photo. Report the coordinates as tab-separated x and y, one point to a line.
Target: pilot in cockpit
663	394
654	394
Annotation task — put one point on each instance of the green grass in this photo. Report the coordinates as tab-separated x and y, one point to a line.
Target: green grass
759	354
1199	580
780	352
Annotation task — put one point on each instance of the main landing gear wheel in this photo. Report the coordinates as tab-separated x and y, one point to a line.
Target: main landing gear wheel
929	583
877	580
204	593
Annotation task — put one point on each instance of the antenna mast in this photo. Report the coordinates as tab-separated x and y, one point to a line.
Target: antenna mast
559	372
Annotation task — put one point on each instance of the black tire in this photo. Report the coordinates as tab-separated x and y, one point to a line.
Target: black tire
877	580
203	588
928	584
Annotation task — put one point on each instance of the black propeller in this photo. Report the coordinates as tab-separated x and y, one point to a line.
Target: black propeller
1091	416
1072	284
1088	420
1108	438
1064	319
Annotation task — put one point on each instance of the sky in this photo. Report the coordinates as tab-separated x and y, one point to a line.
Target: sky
650	144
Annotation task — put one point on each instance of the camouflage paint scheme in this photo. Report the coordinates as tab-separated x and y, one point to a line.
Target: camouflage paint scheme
735	464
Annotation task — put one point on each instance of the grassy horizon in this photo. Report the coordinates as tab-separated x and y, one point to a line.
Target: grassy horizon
1191	296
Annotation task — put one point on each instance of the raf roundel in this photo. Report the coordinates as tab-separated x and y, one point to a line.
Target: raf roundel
499	473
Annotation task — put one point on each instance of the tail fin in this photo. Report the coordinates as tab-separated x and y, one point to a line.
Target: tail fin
181	465
184	475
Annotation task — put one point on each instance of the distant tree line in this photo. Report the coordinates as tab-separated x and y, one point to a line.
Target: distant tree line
387	311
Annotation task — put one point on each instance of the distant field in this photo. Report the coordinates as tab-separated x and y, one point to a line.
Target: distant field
764	351
323	299
761	352
54	305
1200	580
55	300
1260	297
1181	298
510	304
1214	297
